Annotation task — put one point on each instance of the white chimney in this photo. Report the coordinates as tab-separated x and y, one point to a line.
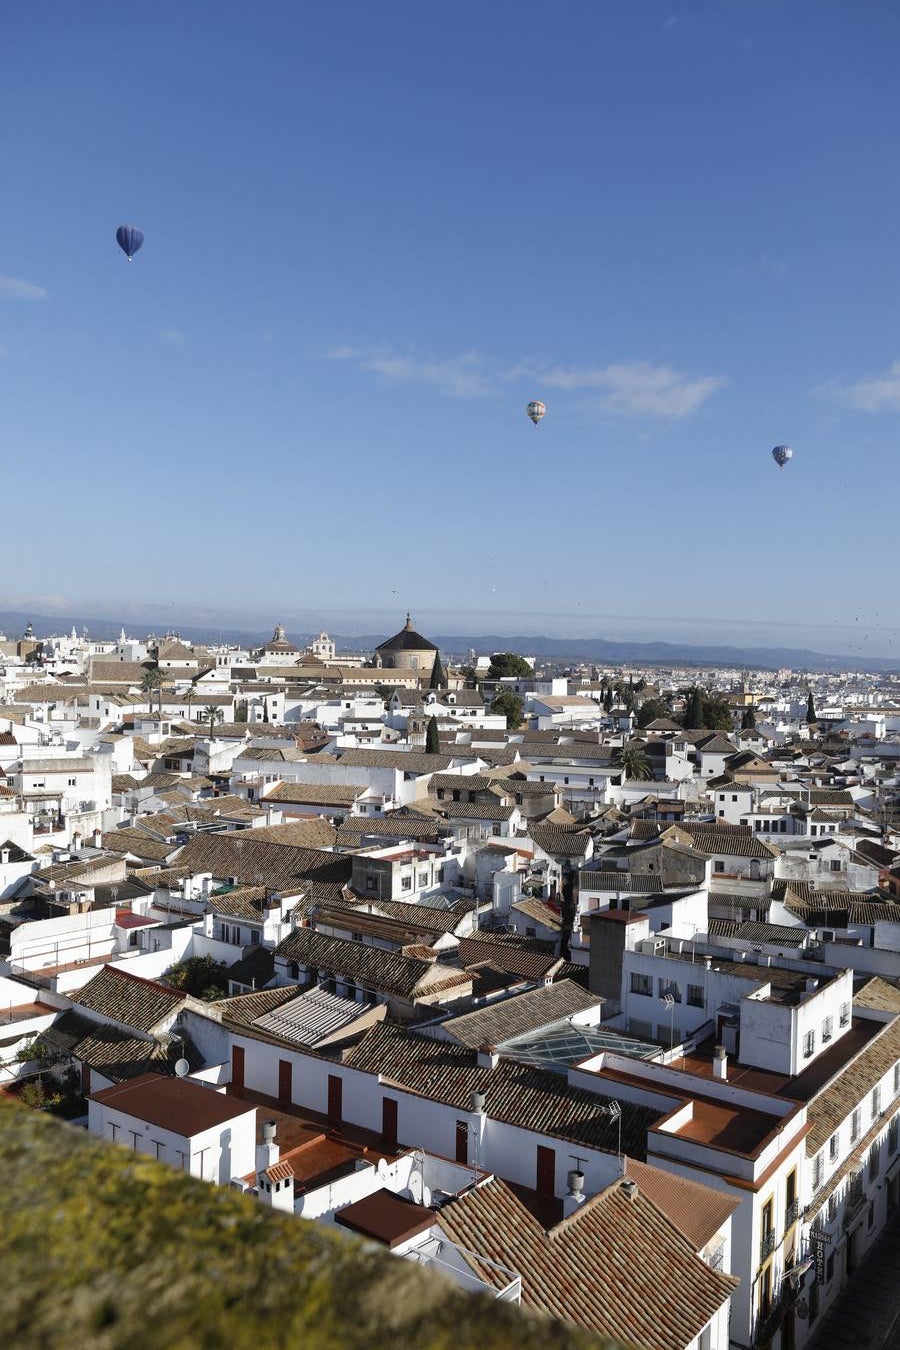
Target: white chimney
574	1196
268	1152
720	1063
477	1103
4	857
98	839
488	1057
811	983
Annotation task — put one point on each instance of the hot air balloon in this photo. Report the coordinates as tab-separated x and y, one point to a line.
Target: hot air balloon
535	410
781	454
129	238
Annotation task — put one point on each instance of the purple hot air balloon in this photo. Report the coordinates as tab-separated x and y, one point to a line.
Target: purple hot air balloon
129	238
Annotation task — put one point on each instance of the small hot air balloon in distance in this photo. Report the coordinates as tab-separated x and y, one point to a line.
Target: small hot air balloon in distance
535	410
129	238
781	454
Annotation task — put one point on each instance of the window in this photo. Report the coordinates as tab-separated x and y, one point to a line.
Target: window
827	1029
440	794
833	1146
423	878
695	995
71	782
893	1135
829	1269
641	984
456	794
818	1170
896	1079
854	1126
845	1014
406	883
835	864
718	867
874	1159
870	1219
809	1044
876	1101
668	989
371	883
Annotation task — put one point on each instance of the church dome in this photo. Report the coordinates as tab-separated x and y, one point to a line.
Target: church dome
406	650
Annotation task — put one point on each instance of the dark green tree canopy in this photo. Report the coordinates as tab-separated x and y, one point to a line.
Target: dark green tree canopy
748	721
510	705
438	678
432	737
650	709
810	708
506	664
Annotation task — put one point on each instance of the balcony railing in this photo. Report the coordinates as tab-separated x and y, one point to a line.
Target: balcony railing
792	1213
767	1244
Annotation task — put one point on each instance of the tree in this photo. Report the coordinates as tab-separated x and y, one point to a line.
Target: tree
438	678
716	712
693	709
650	709
632	760
810	708
506	664
189	697
213	716
470	675
510	706
432	737
748	721
608	699
240	711
200	976
153	680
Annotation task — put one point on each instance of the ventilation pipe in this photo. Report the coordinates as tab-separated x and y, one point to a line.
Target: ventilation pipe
574	1196
720	1063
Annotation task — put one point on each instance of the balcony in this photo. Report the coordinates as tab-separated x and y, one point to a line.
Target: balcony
767	1244
770	1319
792	1214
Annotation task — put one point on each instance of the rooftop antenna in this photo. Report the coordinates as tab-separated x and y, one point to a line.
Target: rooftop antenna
614	1110
669	1002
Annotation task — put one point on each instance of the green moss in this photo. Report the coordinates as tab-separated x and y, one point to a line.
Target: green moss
101	1249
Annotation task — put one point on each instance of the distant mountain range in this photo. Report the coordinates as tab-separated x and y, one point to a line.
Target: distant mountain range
13	623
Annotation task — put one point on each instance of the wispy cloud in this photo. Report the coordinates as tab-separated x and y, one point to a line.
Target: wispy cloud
870	393
772	267
460	376
172	337
632	388
17	289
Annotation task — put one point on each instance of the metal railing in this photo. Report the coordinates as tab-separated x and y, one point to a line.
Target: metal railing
767	1244
792	1213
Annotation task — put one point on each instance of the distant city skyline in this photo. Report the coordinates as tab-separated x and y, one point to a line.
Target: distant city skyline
307	393
833	639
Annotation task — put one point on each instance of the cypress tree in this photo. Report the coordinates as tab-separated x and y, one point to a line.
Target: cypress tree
810	708
438	678
748	721
432	738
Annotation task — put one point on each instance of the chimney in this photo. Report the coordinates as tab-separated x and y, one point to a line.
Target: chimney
811	983
488	1057
574	1197
76	841
4	857
268	1152
629	1188
476	1103
720	1063
98	839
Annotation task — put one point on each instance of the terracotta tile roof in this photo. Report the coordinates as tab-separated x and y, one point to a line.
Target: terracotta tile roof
559	842
371	967
520	1094
716	840
316	794
697	1211
392	826
879	993
426	918
281	866
243	1009
522	1013
312	832
530	965
539	913
122	997
114	1052
843	1093
617	1267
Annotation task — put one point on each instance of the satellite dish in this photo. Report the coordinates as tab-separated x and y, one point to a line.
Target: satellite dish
182	1068
426	1197
382	1168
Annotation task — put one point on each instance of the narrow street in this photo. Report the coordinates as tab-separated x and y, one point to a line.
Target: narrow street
867	1314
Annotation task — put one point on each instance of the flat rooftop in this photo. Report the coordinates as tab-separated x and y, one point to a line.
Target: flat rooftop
386	1218
172	1104
800	1088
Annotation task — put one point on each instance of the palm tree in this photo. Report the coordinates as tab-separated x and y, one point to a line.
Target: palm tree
632	760
212	715
153	680
189	697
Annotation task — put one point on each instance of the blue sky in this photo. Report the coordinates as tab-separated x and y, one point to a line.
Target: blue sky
373	232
